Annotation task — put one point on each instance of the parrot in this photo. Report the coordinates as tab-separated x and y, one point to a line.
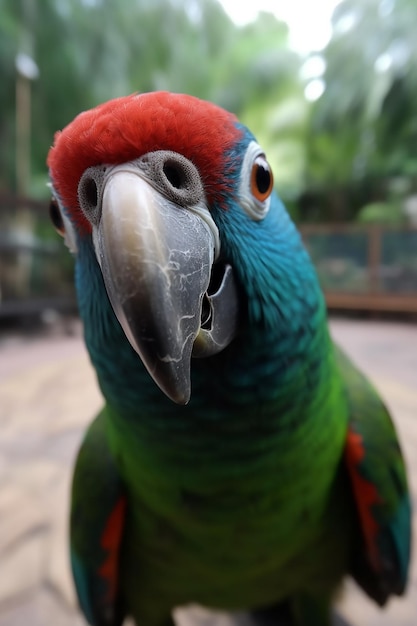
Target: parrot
240	462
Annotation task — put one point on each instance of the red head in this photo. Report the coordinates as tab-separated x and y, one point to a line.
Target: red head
126	128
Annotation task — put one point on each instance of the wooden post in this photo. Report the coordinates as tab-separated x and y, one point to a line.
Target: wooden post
26	71
374	258
23	123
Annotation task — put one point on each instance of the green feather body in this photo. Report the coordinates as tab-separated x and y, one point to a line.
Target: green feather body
241	499
238	499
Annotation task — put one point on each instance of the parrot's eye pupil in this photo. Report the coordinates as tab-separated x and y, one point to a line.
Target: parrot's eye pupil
262	181
174	175
56	217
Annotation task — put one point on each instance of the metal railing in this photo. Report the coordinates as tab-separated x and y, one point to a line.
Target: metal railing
359	267
365	267
35	268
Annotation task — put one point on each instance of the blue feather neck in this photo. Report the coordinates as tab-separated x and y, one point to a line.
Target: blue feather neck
278	353
283	350
283	339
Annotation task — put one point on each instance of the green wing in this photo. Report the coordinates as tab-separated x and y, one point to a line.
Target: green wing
96	528
378	477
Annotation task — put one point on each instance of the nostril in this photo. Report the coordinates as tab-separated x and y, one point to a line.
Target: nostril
91	192
174	174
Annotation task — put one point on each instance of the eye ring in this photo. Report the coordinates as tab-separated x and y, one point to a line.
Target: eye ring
261	179
256	183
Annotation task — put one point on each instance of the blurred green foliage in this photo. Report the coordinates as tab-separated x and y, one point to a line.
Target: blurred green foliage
363	131
381	213
331	157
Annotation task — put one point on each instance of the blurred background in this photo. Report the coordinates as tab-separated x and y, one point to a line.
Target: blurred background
330	90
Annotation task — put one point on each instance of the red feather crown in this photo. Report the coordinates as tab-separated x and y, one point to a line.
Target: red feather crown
125	128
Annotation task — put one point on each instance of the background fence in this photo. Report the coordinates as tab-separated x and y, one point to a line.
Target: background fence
36	270
360	267
365	267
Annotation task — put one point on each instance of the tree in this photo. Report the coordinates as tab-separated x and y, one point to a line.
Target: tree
88	51
363	129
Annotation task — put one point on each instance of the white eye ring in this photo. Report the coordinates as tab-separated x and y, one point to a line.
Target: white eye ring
256	209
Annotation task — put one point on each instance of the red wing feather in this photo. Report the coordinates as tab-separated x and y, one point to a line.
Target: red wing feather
365	492
110	541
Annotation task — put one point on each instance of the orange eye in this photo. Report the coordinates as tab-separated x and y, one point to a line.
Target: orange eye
261	179
56	217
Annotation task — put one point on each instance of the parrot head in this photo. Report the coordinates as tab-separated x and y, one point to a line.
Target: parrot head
176	199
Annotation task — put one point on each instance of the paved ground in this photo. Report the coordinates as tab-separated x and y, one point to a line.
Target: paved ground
47	396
